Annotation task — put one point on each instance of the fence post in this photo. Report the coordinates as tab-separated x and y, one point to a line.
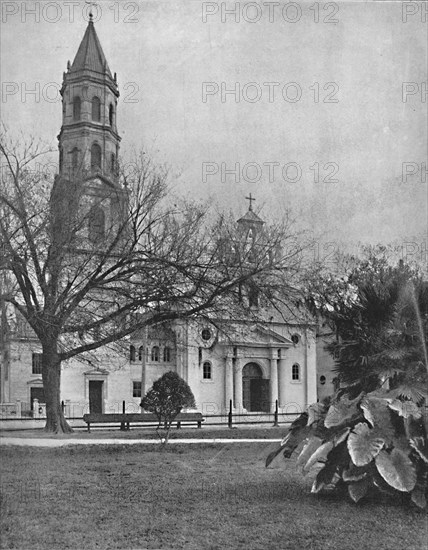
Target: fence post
36	413
62	406
275	418
122	424
229	423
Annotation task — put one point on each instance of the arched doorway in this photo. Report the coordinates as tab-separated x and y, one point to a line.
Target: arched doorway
255	389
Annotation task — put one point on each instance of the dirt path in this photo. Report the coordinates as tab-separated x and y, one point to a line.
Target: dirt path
34	442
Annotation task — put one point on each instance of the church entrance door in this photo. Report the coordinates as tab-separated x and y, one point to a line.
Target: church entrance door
255	389
96	396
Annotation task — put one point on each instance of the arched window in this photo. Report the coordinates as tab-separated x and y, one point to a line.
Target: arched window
74	159
140	353
167	354
76	108
207	371
96	225
113	163
253	296
132	353
155	353
111	114
322	380
96	109
95	156
295	372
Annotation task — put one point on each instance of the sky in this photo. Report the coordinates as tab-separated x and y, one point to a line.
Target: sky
318	125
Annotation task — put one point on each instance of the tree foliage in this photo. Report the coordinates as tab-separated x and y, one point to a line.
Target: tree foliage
158	259
380	314
166	399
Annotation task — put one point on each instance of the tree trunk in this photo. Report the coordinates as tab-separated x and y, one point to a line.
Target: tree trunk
51	374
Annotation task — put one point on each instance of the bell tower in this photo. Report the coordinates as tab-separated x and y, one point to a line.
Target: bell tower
87	193
88	140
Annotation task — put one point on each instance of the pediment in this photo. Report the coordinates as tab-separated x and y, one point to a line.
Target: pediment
272	336
258	336
96	372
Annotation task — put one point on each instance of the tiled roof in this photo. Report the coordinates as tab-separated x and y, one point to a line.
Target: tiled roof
90	55
250	216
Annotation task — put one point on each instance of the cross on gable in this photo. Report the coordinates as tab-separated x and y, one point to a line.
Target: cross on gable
251	199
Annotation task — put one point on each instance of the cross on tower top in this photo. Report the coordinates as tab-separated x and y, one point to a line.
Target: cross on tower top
251	199
90	12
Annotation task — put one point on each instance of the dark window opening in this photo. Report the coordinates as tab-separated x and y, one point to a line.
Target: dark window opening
77	108
206	334
74	159
253	297
295	372
295	339
96	224
111	114
207	372
37	363
136	389
95	156
167	355
322	380
140	353
96	109
132	353
155	353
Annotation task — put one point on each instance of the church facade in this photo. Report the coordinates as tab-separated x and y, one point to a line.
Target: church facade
250	365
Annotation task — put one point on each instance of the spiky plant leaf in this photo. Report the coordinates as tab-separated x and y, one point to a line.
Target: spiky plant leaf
271	456
364	444
397	469
320	455
342	411
298	432
408	392
358	489
341	436
420	445
405	408
315	412
308	450
378	414
323	480
419	492
419	498
355	473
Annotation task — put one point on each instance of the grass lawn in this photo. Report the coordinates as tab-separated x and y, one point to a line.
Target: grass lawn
190	497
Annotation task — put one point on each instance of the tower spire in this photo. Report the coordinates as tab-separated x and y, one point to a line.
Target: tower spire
89	141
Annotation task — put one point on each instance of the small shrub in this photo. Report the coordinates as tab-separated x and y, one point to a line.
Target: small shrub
166	399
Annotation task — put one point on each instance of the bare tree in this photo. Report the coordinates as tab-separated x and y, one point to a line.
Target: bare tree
155	260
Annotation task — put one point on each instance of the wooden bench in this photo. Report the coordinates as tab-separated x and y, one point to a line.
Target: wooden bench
126	419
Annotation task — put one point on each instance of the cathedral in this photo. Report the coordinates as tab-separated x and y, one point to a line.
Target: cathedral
253	367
